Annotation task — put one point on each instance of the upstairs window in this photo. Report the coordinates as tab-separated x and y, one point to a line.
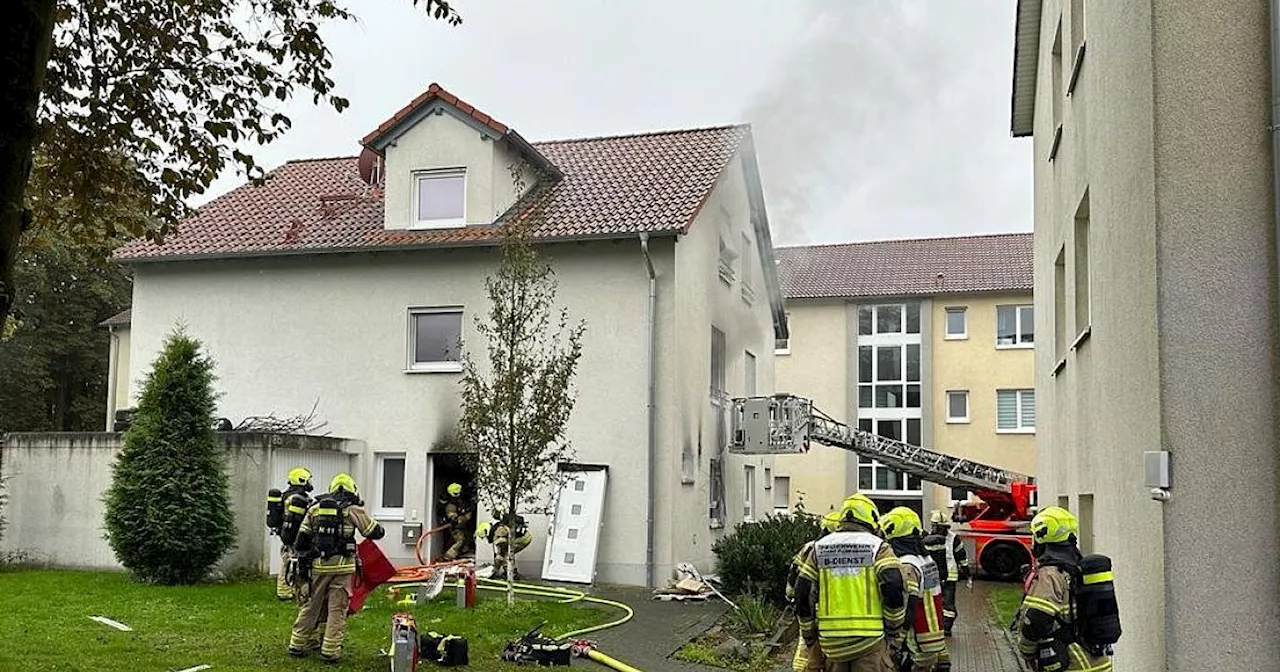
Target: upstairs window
435	336
439	199
1015	326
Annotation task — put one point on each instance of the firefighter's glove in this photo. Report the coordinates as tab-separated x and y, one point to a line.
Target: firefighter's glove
810	637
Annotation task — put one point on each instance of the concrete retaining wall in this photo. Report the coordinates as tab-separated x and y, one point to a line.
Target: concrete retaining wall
56	483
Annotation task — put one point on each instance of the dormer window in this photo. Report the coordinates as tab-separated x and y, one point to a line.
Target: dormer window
439	198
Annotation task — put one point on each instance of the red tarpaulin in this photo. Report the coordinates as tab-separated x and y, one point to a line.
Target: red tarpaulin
374	570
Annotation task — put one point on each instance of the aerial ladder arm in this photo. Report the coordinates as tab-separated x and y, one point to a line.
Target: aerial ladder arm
784	423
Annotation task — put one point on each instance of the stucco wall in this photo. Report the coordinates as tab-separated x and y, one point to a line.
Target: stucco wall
118	372
444	141
703	300
977	365
57	482
817	368
287	332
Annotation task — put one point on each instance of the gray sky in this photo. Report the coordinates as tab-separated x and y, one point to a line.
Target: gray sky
873	118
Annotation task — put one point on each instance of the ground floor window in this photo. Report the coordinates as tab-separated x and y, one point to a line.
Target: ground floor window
389	498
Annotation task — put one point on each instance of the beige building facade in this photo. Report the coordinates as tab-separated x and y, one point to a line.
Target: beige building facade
329	287
928	341
1155	272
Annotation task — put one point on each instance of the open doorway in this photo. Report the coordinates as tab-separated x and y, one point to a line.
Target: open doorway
449	468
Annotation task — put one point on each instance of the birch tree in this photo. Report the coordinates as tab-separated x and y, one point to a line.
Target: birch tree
516	404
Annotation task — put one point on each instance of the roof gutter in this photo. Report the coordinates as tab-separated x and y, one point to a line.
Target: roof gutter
651	410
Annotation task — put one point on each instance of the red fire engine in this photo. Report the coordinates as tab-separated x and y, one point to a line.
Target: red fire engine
994	529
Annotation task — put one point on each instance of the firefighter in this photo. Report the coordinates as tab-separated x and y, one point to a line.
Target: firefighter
948	552
922	641
327	539
499	532
850	595
285	510
458	515
1054	633
804	654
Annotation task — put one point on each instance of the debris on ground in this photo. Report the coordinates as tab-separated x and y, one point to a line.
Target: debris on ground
686	584
115	624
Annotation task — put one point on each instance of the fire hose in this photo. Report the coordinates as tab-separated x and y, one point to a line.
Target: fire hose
582	648
423	570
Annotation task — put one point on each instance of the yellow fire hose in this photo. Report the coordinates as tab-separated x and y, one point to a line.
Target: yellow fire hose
564	596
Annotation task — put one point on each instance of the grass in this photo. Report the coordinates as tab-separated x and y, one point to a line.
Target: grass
752	623
705	654
230	626
1004	603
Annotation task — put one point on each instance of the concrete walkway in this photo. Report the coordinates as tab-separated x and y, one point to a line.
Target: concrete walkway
657	630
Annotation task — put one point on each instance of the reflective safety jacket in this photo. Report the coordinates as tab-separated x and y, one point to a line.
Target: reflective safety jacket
1045	617
354	518
849	593
925	636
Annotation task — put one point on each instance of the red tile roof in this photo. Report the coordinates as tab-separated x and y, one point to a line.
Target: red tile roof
611	187
910	267
433	92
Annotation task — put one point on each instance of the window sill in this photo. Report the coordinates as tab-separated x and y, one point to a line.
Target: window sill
431	225
1084	336
388	515
1016	346
958	421
1076	64
1024	430
1057	368
781	353
442	367
956	337
1057	142
716	525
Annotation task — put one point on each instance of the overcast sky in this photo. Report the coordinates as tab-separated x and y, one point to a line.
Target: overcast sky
873	118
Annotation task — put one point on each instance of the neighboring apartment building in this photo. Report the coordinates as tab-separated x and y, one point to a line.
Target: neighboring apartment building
350	280
927	340
1155	265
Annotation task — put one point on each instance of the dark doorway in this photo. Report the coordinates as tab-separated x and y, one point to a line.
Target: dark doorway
448	468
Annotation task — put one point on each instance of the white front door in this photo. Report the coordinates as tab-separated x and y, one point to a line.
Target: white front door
575	528
323	465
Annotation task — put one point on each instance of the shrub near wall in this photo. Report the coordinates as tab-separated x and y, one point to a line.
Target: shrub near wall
754	559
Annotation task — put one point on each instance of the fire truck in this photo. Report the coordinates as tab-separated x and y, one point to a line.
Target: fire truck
995	529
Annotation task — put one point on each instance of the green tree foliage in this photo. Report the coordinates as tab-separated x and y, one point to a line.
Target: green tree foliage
55	356
515	409
149	97
168	518
755	557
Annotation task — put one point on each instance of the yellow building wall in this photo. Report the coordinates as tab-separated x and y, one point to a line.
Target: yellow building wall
976	364
817	368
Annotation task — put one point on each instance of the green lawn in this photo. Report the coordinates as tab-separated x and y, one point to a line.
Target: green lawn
1004	603
235	626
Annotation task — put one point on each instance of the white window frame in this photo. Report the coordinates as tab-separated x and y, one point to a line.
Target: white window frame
1019	394
749	493
379	511
953	419
946	323
1017	344
786	491
411	363
449	223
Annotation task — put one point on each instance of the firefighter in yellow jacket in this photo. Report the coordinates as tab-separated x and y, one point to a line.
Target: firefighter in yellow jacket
1052	636
327	537
923	640
850	595
803	654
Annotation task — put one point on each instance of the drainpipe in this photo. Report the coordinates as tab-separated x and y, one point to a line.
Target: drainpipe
113	359
1275	122
653	436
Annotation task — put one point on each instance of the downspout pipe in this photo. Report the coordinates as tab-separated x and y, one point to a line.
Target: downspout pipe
113	361
1275	128
652	430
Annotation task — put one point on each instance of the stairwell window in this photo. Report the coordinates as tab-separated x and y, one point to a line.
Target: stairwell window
957	406
1016	411
957	325
439	199
749	493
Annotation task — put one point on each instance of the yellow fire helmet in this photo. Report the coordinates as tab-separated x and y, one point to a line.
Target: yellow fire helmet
1054	525
831	521
343	482
482	530
454	489
937	518
899	522
859	508
299	476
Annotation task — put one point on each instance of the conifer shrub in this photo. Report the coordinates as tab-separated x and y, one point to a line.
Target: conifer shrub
168	518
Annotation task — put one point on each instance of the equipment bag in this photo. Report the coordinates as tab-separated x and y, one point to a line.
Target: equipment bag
453	651
1097	615
275	510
